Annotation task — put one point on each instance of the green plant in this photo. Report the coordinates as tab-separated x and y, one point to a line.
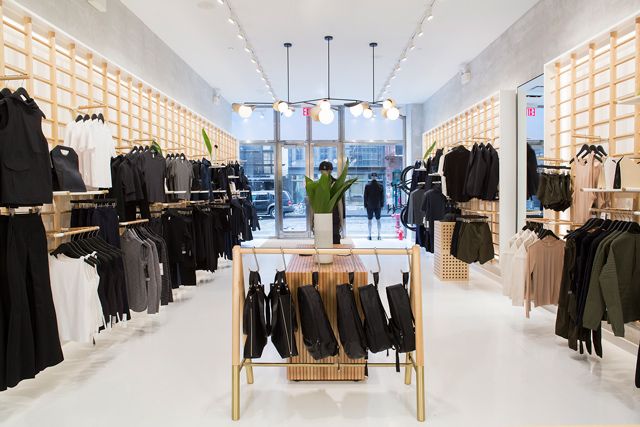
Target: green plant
428	152
156	147
207	142
324	194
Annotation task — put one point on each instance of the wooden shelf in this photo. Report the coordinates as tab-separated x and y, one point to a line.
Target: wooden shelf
634	100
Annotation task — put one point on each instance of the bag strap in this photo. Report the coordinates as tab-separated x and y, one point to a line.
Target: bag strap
405	279
352	276
376	278
315	277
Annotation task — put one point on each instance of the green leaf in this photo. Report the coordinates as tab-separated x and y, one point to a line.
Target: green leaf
341	179
156	147
340	192
428	152
324	194
207	141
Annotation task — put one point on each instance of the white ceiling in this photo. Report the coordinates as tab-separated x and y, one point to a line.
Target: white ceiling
199	32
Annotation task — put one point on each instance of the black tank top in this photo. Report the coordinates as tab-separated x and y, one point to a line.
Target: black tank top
25	167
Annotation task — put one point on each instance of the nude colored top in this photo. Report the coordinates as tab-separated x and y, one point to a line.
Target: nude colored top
586	175
544	272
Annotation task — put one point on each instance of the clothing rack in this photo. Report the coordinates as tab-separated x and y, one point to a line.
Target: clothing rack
134	222
22	210
414	361
71	231
15	77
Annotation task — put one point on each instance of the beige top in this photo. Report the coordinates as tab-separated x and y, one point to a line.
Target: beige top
586	175
544	272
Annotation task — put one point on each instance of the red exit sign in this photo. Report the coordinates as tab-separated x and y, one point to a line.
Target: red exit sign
531	112
306	111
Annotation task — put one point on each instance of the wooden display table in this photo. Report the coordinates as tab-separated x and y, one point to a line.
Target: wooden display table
446	266
299	272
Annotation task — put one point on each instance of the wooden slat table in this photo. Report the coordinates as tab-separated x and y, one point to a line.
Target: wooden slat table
299	271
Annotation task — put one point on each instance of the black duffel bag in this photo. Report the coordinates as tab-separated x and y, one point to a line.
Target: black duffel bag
401	323
317	333
254	322
284	322
352	336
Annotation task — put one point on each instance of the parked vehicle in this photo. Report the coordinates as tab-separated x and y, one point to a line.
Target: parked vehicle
265	203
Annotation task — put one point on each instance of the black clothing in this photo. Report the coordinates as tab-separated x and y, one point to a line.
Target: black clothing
29	339
154	169
373	195
25	165
179	233
483	173
66	172
371	212
532	172
455	171
104	217
554	191
492	177
434	206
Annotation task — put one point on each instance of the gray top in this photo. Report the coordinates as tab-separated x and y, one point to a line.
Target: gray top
134	267
154	286
180	173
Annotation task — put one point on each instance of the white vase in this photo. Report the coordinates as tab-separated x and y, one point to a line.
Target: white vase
323	235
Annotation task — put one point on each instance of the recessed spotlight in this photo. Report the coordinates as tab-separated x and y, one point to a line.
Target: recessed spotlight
420	33
393	77
413	46
205	5
246	49
258	70
253	60
240	36
404	59
231	21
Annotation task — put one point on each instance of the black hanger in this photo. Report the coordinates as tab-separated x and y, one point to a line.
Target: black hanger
583	150
101	117
86	117
600	149
94	116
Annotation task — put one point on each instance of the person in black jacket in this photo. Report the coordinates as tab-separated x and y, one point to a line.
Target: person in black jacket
373	201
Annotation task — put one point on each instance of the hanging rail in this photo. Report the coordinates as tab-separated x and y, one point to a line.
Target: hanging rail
71	231
414	361
134	222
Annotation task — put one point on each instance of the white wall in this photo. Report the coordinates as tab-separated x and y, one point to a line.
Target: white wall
547	30
122	38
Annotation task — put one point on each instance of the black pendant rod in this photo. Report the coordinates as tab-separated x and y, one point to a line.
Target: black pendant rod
373	71
288	45
328	39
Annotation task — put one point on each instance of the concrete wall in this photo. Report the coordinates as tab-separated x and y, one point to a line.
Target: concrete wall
547	30
121	37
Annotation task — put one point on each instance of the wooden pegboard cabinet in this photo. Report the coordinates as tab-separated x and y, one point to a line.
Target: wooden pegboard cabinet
446	266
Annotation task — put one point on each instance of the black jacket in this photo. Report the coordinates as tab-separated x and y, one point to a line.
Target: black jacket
373	195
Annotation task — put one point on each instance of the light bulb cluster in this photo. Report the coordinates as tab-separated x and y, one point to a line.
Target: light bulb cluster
389	110
427	16
245	111
322	112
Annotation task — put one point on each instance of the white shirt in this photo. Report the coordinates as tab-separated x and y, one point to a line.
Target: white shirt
519	268
610	165
74	287
442	178
93	141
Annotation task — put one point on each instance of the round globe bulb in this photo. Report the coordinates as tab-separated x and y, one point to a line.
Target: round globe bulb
288	113
326	116
282	106
393	113
324	105
356	110
245	111
367	113
387	103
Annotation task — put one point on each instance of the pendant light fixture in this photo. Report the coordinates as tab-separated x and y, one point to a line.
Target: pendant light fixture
321	109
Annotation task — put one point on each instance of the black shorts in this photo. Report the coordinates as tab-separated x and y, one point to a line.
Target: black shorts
373	211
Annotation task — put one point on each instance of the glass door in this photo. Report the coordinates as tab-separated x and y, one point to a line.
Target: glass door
291	206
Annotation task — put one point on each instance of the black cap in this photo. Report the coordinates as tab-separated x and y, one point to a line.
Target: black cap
326	166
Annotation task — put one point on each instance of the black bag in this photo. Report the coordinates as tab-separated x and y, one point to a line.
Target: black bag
254	322
317	333
284	322
401	322
350	328
65	170
376	327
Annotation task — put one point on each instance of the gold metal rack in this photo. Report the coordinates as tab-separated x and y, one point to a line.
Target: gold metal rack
414	360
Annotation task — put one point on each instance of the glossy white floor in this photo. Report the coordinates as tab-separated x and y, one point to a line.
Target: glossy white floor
486	365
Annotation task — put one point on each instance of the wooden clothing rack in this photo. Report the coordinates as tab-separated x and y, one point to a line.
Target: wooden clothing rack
414	360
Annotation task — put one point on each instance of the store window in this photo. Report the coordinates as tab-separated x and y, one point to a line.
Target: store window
259	162
258	127
384	163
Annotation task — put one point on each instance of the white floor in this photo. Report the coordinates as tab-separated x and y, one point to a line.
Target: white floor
486	365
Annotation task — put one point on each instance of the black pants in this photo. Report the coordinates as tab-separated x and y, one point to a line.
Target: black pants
28	323
178	232
104	217
130	210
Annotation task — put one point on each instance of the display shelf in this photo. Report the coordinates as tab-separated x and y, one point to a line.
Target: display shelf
634	100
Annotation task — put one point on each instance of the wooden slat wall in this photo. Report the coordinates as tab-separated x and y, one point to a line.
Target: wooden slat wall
583	89
481	123
64	77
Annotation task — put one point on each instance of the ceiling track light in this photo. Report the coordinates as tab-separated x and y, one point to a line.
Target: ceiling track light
231	21
220	1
